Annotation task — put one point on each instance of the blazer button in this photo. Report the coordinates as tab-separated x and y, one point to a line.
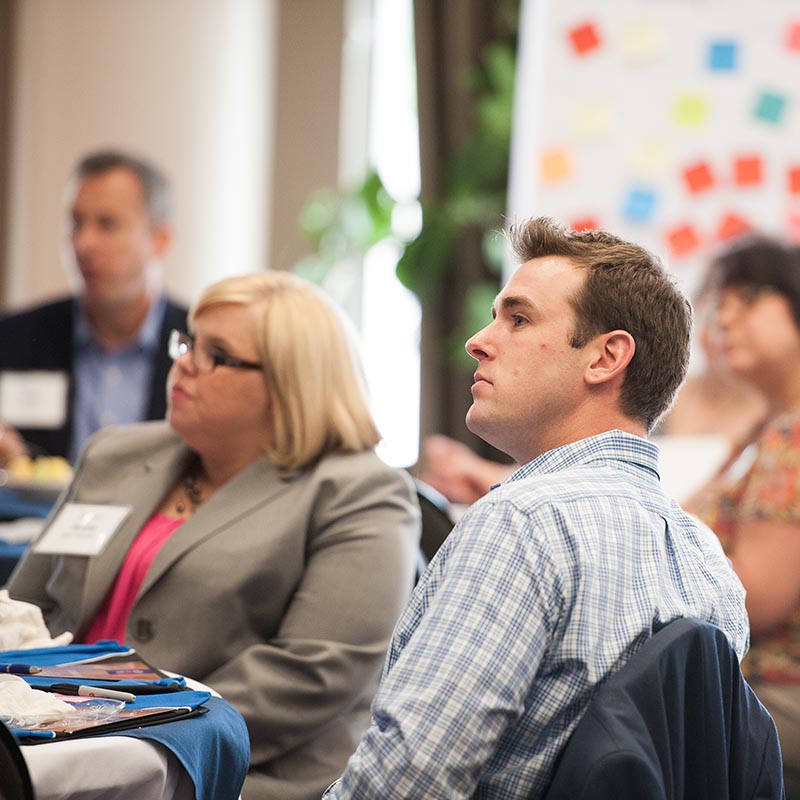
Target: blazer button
143	630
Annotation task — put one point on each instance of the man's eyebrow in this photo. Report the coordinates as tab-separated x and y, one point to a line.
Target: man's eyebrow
514	303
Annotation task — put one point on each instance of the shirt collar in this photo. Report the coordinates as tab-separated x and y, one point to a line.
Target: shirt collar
146	339
613	445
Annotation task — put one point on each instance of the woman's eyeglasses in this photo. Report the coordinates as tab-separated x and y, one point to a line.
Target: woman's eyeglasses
204	359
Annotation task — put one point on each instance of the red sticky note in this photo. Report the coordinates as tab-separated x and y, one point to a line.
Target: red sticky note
793	36
793	175
682	239
698	177
747	170
585	224
732	225
584	38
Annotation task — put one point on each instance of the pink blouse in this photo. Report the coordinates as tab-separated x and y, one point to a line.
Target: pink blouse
111	620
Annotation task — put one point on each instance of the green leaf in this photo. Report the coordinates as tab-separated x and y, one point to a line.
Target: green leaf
423	263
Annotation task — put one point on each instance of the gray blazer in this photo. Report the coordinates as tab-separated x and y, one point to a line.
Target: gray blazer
280	592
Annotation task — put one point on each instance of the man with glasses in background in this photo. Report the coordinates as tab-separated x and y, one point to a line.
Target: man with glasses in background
75	365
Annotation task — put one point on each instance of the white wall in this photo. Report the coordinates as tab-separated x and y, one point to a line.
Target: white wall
189	83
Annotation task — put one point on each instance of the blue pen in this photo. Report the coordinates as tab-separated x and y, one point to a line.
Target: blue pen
25	733
20	669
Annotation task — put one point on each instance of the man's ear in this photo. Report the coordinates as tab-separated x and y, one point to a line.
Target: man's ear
161	236
613	352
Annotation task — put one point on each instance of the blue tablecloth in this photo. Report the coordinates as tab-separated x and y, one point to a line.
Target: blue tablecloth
15	504
214	748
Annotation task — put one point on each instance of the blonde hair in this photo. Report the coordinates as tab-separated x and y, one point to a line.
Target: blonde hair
313	374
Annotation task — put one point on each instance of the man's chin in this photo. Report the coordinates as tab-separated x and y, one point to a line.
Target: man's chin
479	425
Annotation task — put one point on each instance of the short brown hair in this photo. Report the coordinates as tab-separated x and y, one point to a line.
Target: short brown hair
155	186
626	288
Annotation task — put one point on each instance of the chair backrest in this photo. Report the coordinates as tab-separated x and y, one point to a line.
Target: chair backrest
436	520
15	781
678	721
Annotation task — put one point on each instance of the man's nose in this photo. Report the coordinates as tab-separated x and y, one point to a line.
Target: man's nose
84	238
477	346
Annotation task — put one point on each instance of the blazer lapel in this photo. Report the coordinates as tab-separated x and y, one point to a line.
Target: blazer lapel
254	487
141	485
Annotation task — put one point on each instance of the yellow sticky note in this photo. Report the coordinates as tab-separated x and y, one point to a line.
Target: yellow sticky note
691	110
650	158
592	120
641	41
555	165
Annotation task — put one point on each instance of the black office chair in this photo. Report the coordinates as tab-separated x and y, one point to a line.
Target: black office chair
15	781
436	520
678	722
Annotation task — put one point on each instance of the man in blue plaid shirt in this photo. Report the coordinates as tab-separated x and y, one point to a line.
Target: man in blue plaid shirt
553	580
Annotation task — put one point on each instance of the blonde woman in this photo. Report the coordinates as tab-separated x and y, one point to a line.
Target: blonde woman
269	551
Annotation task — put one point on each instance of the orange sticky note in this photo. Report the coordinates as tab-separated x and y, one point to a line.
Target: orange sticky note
585	224
732	225
747	170
682	240
555	165
584	38
793	175
698	177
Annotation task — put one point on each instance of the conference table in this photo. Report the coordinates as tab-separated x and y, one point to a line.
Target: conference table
196	756
107	766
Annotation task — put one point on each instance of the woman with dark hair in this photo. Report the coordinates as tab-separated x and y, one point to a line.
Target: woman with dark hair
753	502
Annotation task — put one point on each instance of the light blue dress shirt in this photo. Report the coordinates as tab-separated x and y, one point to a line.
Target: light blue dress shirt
545	587
112	387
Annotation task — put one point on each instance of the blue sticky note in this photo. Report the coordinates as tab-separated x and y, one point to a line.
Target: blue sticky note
722	56
770	107
640	205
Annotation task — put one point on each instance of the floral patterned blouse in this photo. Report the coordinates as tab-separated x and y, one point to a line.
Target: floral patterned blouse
760	481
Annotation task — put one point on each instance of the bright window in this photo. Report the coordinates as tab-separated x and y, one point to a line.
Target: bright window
390	315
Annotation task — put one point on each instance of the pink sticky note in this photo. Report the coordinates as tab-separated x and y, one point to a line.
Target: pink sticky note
747	170
555	165
793	36
698	177
584	38
682	239
732	225
793	226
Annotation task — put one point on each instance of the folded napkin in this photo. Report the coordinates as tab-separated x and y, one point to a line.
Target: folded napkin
22	626
22	707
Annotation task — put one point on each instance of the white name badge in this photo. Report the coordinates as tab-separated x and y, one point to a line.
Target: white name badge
81	529
35	399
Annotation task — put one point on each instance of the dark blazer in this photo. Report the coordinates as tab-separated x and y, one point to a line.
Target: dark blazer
41	339
677	722
280	592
